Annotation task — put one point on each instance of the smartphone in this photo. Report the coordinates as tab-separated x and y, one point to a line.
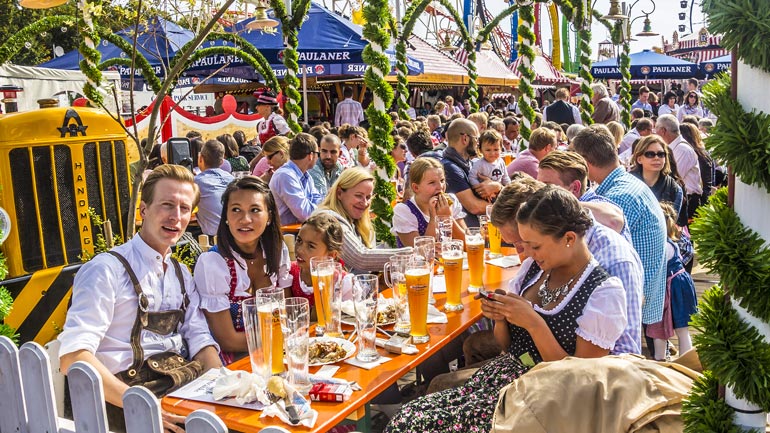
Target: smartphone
483	293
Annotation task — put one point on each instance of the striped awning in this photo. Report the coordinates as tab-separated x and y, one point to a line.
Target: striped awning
701	55
545	73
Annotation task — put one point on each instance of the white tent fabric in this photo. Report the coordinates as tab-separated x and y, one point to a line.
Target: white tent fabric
39	83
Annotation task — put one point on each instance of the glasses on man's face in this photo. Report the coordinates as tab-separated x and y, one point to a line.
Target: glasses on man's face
650	154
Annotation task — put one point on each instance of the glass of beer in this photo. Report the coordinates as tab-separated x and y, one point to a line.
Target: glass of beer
394	274
495	237
508	158
365	294
272	311
426	246
258	342
452	258
418	272
322	275
474	245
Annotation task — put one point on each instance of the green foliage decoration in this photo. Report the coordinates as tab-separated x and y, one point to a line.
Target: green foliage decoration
744	25
625	85
527	17
584	45
730	347
704	411
290	27
741	138
100	241
377	15
90	10
15	42
140	62
6	302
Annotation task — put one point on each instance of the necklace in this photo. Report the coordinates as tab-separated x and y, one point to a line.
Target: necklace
547	295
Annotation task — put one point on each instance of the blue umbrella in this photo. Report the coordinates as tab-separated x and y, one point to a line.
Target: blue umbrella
646	65
158	41
717	65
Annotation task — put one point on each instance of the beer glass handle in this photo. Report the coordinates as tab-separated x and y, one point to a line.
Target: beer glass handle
386	273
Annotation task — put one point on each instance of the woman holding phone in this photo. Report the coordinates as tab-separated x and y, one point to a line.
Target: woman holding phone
562	303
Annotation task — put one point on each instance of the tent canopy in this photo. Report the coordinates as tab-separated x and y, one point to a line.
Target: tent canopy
545	72
717	65
158	41
646	64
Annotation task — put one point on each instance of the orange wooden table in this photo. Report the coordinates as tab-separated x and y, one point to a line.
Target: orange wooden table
291	228
372	381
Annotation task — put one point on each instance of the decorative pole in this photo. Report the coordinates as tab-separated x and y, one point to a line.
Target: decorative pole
625	84
91	56
377	16
526	17
583	22
290	25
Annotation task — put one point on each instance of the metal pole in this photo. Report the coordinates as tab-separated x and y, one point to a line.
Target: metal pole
304	92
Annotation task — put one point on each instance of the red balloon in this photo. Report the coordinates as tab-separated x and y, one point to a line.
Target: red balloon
229	104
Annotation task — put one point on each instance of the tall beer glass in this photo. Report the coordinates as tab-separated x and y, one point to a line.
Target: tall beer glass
258	342
426	246
394	274
452	258
495	237
417	287
272	310
474	245
323	284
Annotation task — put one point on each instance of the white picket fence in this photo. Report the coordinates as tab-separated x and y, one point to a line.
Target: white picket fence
27	400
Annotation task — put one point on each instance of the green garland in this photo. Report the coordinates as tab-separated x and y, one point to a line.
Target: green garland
584	47
736	253
140	62
375	31
739	137
625	85
704	411
744	26
6	302
473	76
730	348
90	9
15	43
527	16
402	71
290	27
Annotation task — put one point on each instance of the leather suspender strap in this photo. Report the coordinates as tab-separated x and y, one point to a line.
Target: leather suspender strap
180	277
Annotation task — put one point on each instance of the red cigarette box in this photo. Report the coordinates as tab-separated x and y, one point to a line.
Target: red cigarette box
330	392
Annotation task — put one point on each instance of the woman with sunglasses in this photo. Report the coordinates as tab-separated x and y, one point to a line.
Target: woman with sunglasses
651	163
690	106
275	153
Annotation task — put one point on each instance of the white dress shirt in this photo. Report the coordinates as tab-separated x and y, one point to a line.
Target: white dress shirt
104	306
687	165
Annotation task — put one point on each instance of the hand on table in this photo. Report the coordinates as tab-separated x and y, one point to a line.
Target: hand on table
170	422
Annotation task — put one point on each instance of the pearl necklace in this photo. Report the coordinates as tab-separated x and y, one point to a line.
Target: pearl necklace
549	295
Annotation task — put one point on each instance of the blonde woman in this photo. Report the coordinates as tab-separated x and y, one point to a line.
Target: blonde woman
275	153
349	200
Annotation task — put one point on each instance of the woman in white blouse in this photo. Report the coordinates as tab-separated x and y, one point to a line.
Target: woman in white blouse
250	255
561	303
349	200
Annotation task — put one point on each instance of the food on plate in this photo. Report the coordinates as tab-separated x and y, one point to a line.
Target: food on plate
326	351
386	314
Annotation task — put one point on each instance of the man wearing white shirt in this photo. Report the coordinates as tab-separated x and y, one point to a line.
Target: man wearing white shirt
685	157
643	129
348	111
105	302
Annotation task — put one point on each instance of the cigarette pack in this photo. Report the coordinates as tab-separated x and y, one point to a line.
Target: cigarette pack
330	392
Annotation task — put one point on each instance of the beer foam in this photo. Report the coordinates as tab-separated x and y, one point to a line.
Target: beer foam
417	272
455	254
324	273
474	239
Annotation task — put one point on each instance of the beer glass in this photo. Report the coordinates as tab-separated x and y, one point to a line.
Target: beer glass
365	294
258	342
393	272
322	275
474	245
444	224
425	246
333	315
272	312
495	237
297	341
452	258
418	272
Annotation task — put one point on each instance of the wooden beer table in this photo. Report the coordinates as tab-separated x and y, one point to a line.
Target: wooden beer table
372	382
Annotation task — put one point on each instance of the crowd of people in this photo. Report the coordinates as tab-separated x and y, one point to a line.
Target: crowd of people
601	217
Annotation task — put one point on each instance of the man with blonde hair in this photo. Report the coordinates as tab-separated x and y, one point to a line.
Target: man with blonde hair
561	111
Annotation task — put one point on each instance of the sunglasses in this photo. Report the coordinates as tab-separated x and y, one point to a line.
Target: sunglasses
650	154
269	157
402	146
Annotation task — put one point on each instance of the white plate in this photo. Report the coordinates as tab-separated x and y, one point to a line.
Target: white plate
349	347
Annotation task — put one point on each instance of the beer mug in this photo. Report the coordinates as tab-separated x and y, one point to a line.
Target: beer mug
474	245
418	271
495	237
452	258
394	274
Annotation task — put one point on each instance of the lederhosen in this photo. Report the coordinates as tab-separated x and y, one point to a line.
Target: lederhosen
236	313
422	225
160	373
